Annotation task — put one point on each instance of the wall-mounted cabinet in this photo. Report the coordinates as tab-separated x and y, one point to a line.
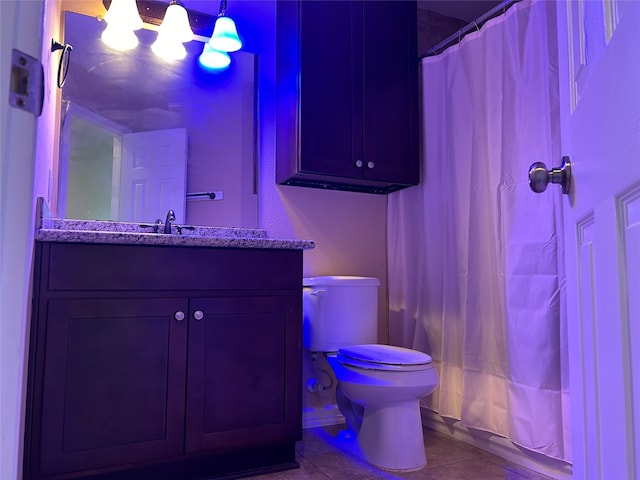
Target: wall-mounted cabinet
163	362
347	95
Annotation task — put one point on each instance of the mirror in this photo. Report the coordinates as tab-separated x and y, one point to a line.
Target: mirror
140	135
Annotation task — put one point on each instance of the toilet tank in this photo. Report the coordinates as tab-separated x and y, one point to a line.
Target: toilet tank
339	311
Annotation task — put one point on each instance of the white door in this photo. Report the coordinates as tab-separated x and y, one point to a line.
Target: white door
152	176
20	24
599	48
84	140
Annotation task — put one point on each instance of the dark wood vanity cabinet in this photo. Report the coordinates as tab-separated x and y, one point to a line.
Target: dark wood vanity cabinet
347	95
163	362
242	346
109	389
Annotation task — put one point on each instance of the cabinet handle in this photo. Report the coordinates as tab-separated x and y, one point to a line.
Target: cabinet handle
359	163
371	164
179	315
198	315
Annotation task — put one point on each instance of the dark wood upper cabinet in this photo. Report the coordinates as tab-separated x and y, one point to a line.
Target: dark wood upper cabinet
347	95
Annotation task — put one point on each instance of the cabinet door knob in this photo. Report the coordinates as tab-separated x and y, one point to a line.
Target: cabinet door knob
179	315
371	164
198	315
359	163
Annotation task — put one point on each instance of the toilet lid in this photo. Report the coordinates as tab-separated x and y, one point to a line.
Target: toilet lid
382	357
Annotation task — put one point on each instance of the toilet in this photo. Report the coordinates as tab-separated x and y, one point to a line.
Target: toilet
378	386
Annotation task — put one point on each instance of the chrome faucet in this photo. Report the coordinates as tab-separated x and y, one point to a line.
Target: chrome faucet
171	217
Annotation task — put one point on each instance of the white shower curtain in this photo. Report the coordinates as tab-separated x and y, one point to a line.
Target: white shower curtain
475	257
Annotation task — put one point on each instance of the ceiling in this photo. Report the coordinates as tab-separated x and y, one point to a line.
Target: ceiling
249	14
467	10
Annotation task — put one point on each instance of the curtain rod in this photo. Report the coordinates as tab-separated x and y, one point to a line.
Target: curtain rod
474	25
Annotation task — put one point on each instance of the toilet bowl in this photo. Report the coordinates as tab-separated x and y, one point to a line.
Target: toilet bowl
379	396
378	386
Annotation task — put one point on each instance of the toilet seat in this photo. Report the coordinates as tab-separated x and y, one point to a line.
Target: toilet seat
383	357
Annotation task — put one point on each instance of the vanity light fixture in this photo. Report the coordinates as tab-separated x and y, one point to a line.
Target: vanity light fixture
173	32
122	19
225	35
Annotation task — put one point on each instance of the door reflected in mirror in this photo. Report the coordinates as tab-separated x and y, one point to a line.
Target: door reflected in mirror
140	135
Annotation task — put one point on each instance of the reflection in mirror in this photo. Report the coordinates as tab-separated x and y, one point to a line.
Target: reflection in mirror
141	136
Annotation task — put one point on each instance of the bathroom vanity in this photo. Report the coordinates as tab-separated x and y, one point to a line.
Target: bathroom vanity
163	356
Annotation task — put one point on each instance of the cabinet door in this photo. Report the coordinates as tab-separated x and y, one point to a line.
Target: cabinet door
244	373
390	76
113	388
330	88
354	121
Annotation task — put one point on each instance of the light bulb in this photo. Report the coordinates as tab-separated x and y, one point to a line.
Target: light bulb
225	35
122	19
176	23
172	33
124	13
168	48
213	59
119	39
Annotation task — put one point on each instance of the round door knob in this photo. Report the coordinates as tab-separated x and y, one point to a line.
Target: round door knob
198	315
179	315
359	163
371	164
539	176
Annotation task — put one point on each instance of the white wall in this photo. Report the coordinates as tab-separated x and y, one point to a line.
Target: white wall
349	228
49	121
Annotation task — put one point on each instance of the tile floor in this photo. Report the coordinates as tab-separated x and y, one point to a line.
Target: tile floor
449	459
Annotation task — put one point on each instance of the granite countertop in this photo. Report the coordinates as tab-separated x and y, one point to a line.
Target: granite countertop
92	231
